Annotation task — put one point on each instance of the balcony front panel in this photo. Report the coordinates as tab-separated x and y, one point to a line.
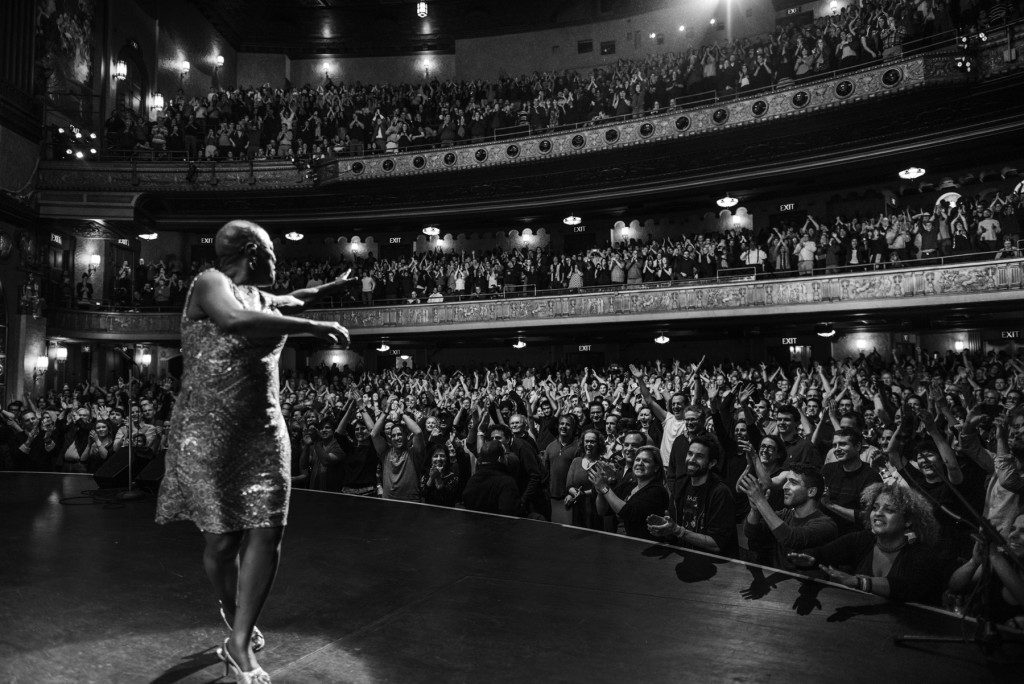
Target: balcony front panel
997	283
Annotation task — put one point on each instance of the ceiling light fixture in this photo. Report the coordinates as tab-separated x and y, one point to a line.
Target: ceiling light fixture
147	236
824	330
121	70
421	10
519	344
431	231
383	346
572	220
294	236
727	202
661	339
911	173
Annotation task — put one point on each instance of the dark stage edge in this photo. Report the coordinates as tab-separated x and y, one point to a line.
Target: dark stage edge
375	591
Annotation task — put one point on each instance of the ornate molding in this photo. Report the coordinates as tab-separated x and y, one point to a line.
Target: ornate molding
803	99
795	100
998	281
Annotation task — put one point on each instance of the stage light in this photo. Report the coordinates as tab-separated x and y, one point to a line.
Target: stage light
681	28
92	136
572	220
79	155
653	36
92	150
912	173
294	236
727	201
69	151
824	330
713	21
661	339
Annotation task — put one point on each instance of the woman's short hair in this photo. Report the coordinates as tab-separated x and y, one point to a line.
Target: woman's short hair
655	453
595	432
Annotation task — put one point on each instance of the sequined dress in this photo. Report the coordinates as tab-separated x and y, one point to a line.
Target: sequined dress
228	454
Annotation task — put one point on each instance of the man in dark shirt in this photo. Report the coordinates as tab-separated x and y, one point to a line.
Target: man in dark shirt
556	459
702	515
491	489
773	535
845	480
798	449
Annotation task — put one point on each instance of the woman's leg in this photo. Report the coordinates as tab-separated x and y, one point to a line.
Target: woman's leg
221	562
261	553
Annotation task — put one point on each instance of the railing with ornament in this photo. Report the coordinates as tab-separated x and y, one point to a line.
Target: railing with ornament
994	282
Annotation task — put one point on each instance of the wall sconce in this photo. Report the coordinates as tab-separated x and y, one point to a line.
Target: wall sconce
184	68
143	357
327	70
158	101
42	363
219	62
959	346
94	263
862	344
60	354
120	70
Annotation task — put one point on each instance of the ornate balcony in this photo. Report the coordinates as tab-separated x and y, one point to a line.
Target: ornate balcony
982	285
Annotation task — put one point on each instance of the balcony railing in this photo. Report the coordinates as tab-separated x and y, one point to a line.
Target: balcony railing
991	282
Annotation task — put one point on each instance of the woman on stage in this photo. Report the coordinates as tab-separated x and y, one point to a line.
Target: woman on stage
228	457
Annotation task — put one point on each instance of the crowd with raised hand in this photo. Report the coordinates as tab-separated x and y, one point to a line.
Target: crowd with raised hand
320	122
866	470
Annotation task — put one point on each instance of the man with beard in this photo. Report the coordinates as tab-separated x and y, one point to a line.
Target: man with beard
555	459
702	514
798	526
403	460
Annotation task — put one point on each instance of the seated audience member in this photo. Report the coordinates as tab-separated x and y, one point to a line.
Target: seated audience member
633	501
894	557
1006	596
703	514
800	525
491	489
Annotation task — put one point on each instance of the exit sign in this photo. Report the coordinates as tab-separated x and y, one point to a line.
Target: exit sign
206	241
788	340
584	347
1010	334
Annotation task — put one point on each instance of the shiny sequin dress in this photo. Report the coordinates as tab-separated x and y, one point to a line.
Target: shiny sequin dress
228	454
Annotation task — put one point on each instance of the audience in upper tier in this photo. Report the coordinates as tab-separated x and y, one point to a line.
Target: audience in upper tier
867	470
983	227
331	119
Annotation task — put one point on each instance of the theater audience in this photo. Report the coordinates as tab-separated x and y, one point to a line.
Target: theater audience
935	421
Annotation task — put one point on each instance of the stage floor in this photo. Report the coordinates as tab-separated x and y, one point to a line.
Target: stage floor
375	591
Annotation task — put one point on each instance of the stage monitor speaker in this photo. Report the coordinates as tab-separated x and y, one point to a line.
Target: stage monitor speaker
152	473
113	474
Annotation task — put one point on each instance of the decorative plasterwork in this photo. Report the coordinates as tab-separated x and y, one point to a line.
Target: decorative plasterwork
999	281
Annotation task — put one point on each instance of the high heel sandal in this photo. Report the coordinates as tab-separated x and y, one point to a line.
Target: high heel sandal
257	641
254	676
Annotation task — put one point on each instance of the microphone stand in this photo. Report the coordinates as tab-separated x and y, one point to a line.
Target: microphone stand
986	634
130	494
